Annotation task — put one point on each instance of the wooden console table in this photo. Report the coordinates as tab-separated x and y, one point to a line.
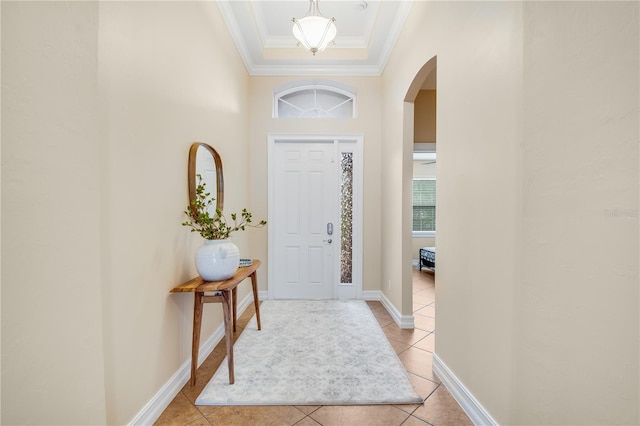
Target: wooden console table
226	293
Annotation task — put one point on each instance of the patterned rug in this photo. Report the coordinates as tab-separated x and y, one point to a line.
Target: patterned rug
328	352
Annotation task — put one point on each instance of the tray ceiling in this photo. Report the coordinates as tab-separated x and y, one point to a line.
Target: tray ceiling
367	31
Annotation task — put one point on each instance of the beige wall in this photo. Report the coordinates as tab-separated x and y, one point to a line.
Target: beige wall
367	123
52	347
425	116
171	76
537	113
580	216
103	104
477	169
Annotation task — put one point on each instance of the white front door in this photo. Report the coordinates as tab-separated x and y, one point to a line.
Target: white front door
305	200
315	217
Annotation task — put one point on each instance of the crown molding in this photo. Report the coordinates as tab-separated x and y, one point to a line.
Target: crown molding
320	70
404	8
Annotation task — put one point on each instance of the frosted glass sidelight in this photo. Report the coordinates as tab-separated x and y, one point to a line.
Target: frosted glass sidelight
346	219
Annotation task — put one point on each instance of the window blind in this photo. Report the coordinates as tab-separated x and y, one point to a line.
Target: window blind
424	205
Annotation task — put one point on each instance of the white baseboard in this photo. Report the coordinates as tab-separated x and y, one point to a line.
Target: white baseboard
470	405
161	400
403	321
371	295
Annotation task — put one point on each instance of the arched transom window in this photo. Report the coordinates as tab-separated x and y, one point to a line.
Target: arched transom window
314	100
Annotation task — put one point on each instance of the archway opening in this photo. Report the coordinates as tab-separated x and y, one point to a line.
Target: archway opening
420	118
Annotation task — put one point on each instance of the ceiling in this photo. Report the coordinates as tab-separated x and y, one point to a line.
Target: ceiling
367	31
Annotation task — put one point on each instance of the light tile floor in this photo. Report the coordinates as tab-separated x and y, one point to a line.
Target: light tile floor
414	348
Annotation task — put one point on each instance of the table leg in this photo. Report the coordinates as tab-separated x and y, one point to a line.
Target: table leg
228	334
256	302
234	294
195	342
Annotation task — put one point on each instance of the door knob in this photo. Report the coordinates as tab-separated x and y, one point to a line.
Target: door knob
327	241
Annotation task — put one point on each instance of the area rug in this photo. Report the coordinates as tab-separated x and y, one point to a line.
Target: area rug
329	352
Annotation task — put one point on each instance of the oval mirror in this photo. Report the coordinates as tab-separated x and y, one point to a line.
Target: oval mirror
206	162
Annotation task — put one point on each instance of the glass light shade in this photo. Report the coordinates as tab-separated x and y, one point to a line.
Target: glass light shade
314	31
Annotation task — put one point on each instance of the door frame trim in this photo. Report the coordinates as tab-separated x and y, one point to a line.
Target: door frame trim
339	291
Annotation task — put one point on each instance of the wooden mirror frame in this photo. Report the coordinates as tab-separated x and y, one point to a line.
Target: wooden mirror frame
192	173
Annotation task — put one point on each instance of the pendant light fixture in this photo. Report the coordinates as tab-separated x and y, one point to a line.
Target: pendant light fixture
314	32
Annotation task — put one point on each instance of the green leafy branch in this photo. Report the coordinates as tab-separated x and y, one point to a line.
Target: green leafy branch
214	227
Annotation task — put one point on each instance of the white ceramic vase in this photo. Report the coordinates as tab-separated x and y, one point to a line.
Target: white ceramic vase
217	260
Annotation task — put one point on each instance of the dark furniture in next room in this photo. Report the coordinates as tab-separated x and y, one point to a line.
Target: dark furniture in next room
427	258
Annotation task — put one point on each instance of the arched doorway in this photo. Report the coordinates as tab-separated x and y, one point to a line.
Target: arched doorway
420	116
